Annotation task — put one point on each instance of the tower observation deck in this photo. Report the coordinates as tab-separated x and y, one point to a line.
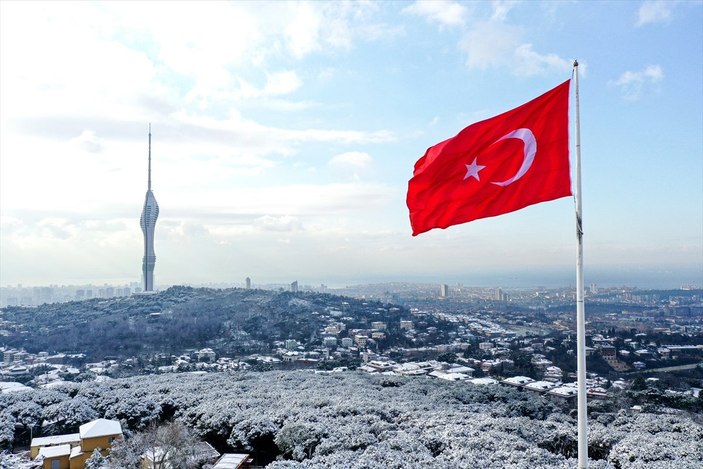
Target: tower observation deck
150	213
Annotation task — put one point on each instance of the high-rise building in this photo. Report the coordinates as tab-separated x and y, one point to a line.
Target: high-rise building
150	213
443	290
247	282
294	287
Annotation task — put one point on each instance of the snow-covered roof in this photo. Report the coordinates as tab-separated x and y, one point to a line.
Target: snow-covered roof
54	384
564	391
100	427
518	380
56	439
230	461
11	386
484	381
453	376
540	386
460	369
55	451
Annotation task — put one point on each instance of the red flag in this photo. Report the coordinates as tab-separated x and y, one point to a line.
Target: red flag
495	166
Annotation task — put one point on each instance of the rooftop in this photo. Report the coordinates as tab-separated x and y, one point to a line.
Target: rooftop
55	451
100	427
230	461
56	439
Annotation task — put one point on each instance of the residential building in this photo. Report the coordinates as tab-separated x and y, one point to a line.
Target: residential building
361	340
206	355
71	439
71	451
406	325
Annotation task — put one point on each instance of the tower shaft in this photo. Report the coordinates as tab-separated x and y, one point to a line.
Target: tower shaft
150	213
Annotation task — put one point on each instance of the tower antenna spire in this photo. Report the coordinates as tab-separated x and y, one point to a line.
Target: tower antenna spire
149	186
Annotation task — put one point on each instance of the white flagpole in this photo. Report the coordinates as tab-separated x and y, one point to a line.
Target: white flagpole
580	312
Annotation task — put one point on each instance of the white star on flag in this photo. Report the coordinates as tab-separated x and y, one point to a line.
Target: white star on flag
473	169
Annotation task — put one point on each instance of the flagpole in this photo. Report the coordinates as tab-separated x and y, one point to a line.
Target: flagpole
580	311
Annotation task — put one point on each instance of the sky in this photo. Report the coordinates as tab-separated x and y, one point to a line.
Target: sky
284	135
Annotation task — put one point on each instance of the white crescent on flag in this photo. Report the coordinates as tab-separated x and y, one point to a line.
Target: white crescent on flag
529	151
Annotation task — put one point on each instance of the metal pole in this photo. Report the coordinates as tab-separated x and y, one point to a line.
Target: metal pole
580	311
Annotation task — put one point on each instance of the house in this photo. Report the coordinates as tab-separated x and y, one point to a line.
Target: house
461	369
98	434
56	457
540	386
72	439
12	386
484	381
517	381
566	392
597	393
553	373
448	376
206	355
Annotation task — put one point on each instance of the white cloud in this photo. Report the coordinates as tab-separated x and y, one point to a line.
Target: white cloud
352	159
632	84
352	165
657	11
490	44
326	26
277	84
295	200
303	31
495	44
326	74
89	142
280	223
444	12
61	58
501	8
286	105
282	83
528	62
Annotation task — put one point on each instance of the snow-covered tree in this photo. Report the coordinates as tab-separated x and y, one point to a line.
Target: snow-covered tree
170	445
9	460
96	460
7	430
68	415
305	420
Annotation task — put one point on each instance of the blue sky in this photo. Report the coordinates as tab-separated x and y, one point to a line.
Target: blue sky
284	135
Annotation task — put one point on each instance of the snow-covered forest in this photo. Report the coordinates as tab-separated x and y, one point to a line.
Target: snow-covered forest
302	419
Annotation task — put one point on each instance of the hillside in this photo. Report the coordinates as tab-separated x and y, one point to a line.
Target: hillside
232	321
303	420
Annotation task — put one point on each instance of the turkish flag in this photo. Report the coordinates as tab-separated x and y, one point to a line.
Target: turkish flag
495	166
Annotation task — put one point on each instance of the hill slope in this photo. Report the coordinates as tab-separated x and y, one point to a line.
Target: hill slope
354	420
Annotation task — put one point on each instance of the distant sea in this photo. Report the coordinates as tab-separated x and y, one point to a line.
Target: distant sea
661	279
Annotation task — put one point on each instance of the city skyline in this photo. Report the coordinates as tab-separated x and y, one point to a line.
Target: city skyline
288	131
